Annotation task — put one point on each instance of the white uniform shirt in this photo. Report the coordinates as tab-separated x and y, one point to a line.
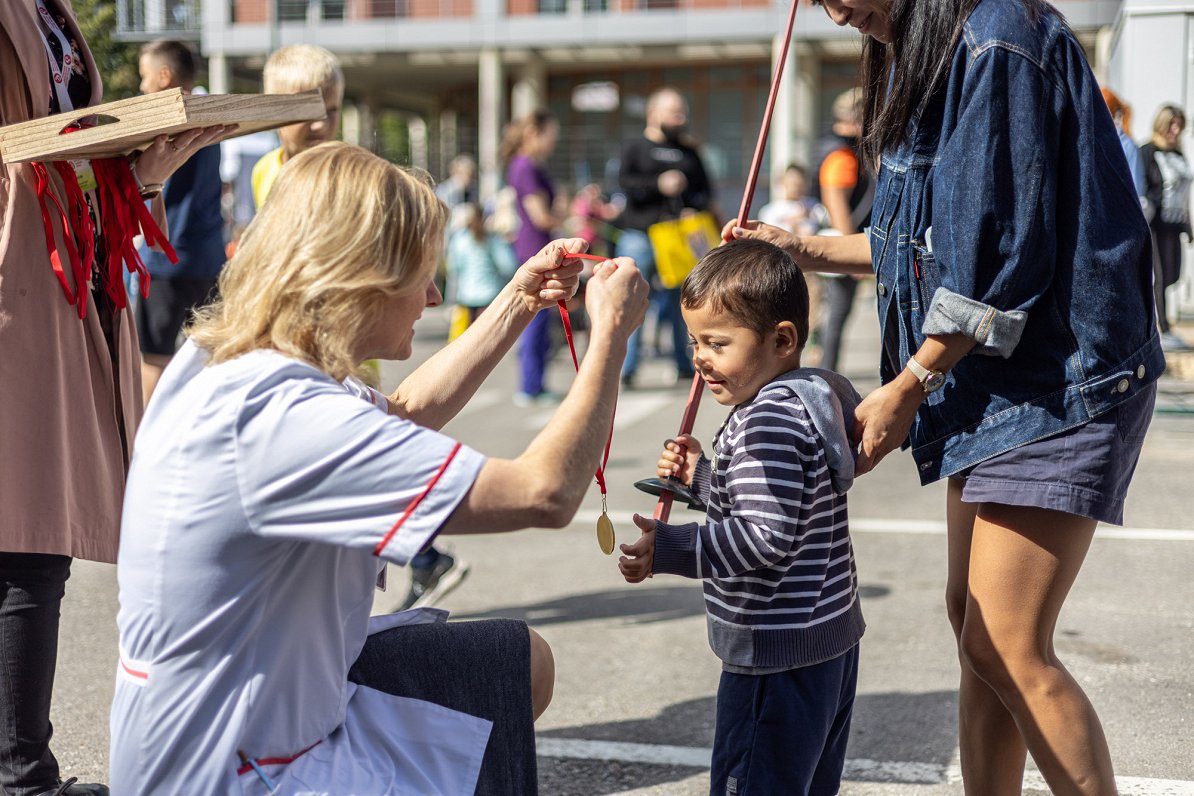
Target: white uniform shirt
261	495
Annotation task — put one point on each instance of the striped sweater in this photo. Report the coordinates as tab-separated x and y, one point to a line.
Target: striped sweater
781	589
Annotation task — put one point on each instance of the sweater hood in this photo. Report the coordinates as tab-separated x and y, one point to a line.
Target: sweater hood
830	400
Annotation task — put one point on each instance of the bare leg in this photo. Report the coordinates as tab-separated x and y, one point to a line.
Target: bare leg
152	366
1022	564
543	674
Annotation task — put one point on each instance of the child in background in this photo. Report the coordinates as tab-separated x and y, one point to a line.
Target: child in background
802	214
774	551
479	262
303	67
291	70
796	212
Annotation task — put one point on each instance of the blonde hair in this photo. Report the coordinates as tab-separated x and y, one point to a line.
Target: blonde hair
342	230
301	67
1165	117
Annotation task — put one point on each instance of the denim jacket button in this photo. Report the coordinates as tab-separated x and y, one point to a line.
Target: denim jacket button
882	289
1122	386
1140	371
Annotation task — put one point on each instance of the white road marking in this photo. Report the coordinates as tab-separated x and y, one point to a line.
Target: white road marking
910	773
928	527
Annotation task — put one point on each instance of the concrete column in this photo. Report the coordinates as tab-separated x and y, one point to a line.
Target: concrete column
807	93
491	98
219	74
350	123
449	146
419	151
530	91
794	124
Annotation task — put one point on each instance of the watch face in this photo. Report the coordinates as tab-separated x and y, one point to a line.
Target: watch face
934	381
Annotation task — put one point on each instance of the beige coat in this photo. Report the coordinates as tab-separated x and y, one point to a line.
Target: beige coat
63	398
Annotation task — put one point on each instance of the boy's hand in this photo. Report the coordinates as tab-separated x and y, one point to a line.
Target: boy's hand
635	564
679	458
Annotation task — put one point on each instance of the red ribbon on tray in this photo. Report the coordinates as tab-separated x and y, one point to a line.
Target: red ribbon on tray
122	215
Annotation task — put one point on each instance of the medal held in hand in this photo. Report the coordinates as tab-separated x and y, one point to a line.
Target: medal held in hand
605	527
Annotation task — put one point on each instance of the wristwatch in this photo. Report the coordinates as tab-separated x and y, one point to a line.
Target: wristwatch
147	191
930	380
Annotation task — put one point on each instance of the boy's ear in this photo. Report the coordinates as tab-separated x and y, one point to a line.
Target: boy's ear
786	339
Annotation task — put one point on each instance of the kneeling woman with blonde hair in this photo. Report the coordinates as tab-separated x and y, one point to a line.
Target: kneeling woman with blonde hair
265	496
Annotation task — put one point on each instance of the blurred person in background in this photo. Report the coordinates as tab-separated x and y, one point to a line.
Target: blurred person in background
848	193
1121	114
1167	178
193	210
526	145
663	176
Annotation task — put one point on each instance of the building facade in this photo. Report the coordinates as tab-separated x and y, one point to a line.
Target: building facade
455	71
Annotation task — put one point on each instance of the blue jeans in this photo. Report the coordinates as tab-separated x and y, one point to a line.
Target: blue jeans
664	302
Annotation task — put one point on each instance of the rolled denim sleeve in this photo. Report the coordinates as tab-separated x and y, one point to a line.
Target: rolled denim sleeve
994	197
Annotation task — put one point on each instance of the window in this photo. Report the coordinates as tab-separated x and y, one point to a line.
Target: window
292	10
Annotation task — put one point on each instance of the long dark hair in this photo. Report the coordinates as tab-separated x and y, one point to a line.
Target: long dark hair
914	62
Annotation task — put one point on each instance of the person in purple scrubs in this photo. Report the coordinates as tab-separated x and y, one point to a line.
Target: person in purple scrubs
527	144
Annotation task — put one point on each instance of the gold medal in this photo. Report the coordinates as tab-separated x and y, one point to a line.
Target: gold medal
605	531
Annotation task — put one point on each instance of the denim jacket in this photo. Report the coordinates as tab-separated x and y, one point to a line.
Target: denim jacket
1009	216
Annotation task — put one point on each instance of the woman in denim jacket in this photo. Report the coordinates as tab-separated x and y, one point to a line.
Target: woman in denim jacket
1019	350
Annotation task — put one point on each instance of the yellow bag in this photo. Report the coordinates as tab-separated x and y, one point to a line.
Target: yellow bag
680	243
458	321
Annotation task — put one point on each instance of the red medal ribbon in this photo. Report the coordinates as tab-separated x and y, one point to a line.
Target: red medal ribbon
567	321
124	214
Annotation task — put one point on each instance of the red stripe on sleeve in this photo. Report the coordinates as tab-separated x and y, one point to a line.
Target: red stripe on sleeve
414	504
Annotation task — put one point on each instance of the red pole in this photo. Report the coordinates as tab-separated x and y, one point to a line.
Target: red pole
663	508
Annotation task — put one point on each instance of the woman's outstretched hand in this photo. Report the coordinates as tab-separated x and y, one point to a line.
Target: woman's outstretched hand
616	298
757	230
549	276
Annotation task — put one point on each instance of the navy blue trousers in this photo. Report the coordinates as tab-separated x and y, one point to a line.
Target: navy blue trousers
784	734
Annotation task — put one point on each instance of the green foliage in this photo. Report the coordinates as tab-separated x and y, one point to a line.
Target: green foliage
393	138
115	60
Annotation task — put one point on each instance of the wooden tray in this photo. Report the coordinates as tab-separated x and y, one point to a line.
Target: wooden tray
133	123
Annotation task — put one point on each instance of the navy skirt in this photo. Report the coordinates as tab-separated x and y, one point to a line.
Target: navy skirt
1084	470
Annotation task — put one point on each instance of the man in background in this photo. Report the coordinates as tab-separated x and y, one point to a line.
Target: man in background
192	197
663	177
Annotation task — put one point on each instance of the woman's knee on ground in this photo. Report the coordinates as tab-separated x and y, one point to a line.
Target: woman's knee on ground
543	673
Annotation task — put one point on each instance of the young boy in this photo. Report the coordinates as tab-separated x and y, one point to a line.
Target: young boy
291	70
774	551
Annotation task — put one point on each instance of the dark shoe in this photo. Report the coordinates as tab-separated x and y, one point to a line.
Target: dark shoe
628	380
428	586
72	787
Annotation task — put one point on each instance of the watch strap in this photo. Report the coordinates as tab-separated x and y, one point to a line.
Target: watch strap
918	370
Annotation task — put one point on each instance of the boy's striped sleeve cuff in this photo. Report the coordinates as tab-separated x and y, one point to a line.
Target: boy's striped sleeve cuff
675	550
